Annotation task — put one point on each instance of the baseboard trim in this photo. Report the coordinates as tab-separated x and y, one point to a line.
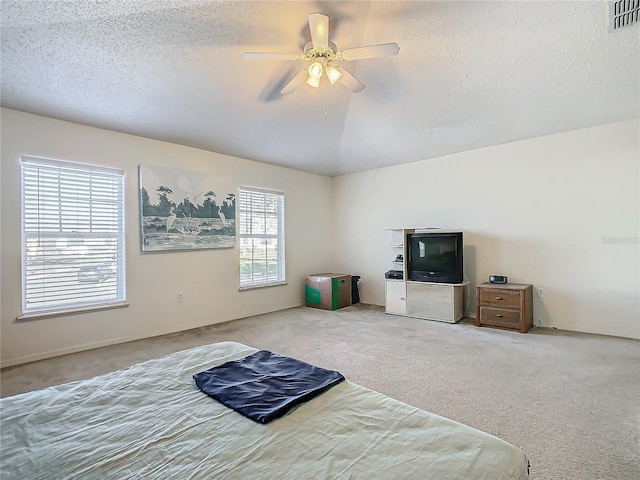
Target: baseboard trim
12	362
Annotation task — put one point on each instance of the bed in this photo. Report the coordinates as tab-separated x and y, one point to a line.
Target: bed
150	421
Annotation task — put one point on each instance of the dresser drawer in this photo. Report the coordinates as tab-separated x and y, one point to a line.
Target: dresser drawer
500	298
499	317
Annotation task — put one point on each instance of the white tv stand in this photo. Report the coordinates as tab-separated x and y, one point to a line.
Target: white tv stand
443	302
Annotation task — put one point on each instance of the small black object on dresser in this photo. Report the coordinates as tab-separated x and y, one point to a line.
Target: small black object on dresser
500	279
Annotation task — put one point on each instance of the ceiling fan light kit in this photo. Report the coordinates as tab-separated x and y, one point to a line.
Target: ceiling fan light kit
322	54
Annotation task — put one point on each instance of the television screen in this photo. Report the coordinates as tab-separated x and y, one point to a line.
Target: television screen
434	254
435	257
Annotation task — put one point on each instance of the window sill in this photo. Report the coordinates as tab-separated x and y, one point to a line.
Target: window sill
70	311
264	285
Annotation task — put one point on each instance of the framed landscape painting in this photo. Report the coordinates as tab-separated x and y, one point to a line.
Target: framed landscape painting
185	210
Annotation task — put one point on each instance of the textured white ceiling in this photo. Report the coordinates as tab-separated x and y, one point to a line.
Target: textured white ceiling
468	75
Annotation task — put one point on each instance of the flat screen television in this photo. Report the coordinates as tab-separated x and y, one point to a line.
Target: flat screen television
435	257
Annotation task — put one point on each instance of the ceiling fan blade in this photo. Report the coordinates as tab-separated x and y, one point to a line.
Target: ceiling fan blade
319	26
295	82
370	51
271	56
349	81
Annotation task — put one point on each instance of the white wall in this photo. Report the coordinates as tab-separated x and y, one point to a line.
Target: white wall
560	212
208	279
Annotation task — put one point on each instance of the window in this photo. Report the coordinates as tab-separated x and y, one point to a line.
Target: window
261	219
72	236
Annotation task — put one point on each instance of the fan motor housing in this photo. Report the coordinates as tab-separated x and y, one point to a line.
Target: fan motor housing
315	53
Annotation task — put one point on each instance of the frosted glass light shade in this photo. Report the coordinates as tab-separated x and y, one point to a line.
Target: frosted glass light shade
333	74
315	74
315	70
314	82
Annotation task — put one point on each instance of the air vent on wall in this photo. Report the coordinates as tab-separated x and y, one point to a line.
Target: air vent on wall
624	13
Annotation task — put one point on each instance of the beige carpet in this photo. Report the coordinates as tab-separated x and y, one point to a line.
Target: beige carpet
570	401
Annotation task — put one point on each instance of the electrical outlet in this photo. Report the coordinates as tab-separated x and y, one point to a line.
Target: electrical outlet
540	292
179	297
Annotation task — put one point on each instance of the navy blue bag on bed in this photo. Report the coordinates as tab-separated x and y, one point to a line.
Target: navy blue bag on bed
264	386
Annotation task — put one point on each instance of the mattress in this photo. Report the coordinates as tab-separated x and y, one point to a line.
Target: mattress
150	421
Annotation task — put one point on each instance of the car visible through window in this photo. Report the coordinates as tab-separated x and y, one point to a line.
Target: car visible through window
96	272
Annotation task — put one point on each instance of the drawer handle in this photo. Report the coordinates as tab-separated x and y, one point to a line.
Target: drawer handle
499	315
498	298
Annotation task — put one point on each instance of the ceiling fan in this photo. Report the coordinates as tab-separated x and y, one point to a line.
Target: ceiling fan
323	56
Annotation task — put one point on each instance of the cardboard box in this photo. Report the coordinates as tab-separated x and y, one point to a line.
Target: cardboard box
328	291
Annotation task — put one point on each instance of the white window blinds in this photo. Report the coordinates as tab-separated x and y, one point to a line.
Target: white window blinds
261	234
72	235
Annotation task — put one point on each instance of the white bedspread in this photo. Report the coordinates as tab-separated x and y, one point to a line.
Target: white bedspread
150	421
